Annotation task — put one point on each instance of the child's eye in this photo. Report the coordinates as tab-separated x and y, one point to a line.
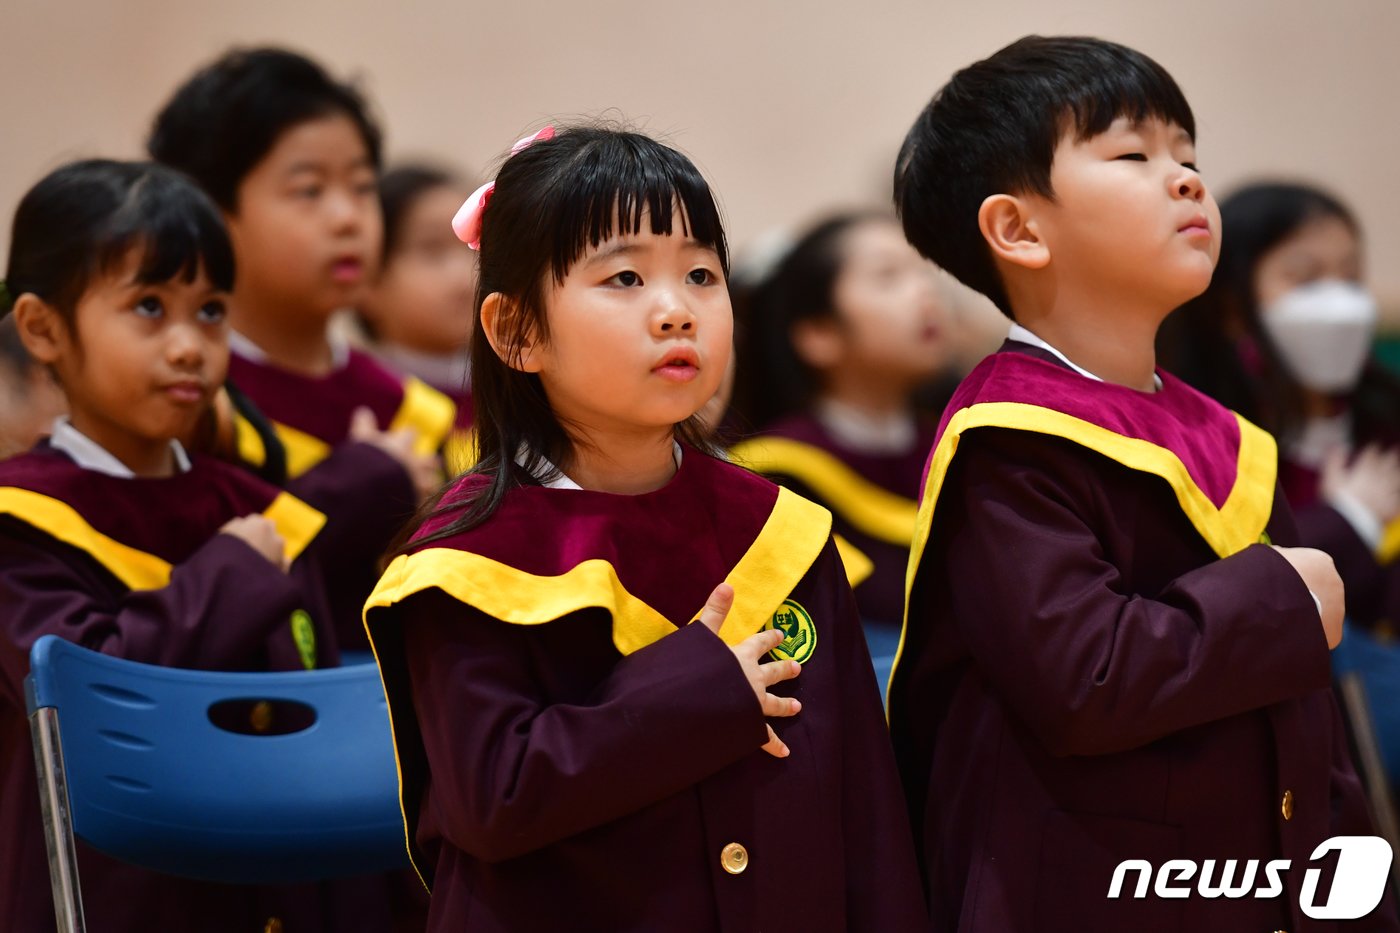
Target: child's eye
1133	157
1191	166
149	307
627	279
213	312
701	276
309	192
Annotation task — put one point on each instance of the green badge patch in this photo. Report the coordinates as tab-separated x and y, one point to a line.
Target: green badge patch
304	634
799	634
1264	538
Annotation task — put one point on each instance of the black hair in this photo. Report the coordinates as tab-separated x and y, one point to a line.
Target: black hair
1199	342
771	379
399	189
81	221
552	203
226	118
993	129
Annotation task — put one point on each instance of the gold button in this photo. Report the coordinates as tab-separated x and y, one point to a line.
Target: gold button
1287	805
273	925
734	858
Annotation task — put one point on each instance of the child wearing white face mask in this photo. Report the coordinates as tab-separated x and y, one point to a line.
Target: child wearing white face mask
1283	336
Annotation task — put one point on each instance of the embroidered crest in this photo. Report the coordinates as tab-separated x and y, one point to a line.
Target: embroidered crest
304	634
799	634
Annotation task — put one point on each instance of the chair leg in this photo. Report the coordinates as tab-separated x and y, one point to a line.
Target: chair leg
1357	707
58	822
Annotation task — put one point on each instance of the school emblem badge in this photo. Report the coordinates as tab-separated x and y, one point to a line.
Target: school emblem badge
799	634
304	634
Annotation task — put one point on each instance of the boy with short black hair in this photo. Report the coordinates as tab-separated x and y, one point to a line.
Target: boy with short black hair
1103	657
292	157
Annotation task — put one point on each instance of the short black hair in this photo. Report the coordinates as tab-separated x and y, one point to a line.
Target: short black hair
81	220
226	118
993	129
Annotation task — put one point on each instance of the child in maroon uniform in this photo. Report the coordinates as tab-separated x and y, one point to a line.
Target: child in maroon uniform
111	535
291	156
578	750
1103	659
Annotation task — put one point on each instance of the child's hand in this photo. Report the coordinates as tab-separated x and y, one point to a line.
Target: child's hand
258	532
1320	576
1372	478
425	470
761	676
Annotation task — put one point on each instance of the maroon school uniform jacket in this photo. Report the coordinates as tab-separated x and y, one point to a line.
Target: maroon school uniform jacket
1102	661
576	754
136	568
873	498
360	489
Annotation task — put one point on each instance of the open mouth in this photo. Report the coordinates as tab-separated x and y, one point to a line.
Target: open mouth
679	365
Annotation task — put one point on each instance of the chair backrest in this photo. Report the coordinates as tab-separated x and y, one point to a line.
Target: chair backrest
154	781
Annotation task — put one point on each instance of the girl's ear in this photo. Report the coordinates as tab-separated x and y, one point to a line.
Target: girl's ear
819	342
497	318
42	331
1010	229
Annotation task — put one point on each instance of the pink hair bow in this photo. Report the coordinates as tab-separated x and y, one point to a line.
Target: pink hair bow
467	223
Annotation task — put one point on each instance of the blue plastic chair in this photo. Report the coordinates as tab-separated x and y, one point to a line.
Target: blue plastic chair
883	641
1367	672
130	760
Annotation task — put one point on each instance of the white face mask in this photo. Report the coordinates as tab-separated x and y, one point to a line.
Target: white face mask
1323	332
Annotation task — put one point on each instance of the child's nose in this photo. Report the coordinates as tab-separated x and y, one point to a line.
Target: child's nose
1189	185
185	347
346	212
673	316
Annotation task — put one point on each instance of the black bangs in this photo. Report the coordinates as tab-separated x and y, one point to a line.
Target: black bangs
617	182
84	219
1123	84
179	232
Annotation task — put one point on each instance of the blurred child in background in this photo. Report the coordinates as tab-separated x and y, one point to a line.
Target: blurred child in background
291	156
1284	335
842	346
418	309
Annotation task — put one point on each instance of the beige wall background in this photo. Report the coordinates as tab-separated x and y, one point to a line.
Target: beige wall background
790	108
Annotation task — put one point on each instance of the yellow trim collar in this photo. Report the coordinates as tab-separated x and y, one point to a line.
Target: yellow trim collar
251	449
869	508
427	412
781	554
1231	528
779	557
296	521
